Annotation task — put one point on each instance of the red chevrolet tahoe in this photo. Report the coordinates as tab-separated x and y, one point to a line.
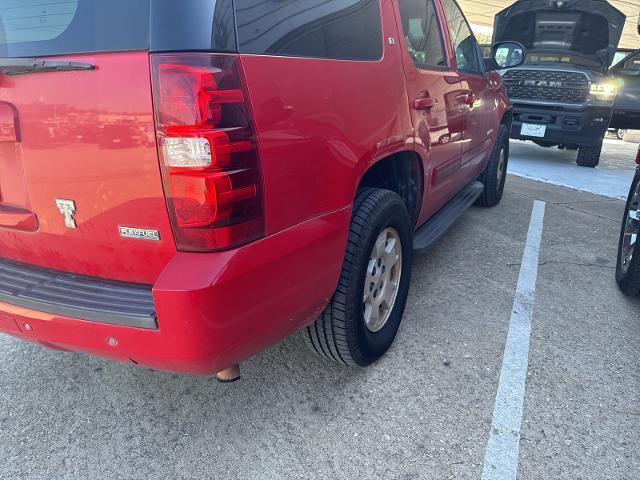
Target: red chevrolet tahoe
183	184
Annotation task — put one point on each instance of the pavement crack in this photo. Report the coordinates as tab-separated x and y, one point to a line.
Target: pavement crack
609	200
560	262
568	205
562	204
589	213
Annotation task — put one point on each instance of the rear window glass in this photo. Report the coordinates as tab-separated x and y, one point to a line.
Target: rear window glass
338	29
52	27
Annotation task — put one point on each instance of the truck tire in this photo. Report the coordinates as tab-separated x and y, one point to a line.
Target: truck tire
495	173
628	264
362	319
589	156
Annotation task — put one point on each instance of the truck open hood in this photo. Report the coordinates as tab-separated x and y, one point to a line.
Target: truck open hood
587	28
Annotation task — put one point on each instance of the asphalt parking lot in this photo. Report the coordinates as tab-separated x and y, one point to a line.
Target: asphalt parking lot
424	412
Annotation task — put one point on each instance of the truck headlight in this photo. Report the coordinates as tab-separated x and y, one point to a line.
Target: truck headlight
604	91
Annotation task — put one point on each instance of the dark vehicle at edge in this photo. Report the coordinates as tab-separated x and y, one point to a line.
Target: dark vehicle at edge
626	111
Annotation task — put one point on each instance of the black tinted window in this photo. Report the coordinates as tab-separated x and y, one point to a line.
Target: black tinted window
464	43
195	25
632	63
422	33
340	29
51	27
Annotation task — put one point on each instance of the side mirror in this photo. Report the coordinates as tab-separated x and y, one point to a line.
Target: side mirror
506	55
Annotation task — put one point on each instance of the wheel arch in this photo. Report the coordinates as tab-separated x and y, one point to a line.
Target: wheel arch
507	119
401	172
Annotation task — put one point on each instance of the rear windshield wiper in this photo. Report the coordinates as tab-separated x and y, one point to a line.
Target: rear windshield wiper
20	66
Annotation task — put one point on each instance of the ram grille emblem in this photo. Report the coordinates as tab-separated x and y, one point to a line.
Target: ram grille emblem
542	83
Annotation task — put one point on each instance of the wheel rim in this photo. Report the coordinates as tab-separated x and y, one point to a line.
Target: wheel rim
501	165
382	280
631	225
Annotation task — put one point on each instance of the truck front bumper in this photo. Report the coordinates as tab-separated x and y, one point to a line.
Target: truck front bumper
575	127
213	310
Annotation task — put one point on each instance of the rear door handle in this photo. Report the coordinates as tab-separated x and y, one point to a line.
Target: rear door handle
424	103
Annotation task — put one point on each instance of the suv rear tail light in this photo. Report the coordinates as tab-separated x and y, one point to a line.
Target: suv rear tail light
638	156
207	150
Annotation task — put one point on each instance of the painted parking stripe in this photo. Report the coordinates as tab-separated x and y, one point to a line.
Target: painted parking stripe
501	456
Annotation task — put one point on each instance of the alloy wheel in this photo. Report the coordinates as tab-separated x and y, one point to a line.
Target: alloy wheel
382	280
501	166
631	227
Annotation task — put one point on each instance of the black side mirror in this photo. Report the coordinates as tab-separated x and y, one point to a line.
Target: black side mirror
506	55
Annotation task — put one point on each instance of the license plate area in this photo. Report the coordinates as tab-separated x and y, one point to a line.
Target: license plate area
533	130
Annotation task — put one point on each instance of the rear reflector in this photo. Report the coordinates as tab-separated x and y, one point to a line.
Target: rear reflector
207	150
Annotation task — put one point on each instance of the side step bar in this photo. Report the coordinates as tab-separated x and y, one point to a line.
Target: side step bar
432	231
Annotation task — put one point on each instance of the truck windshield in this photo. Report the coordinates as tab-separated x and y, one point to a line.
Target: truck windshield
31	28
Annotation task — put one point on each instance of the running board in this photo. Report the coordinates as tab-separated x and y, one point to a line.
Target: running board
432	231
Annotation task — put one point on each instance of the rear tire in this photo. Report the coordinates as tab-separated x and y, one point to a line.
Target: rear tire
342	333
494	175
589	156
628	264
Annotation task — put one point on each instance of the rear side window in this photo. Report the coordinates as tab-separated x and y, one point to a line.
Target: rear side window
422	33
337	29
30	28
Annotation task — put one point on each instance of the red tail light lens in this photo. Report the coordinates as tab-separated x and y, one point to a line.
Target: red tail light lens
638	156
208	151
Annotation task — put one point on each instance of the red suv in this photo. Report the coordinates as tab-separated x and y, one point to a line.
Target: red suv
182	186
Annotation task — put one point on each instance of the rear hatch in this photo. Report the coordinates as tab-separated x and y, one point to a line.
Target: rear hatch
80	182
587	29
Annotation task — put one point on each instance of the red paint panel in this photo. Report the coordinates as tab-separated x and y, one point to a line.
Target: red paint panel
322	123
8	324
215	309
87	136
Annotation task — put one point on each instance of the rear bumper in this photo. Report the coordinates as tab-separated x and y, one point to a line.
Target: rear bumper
213	310
581	127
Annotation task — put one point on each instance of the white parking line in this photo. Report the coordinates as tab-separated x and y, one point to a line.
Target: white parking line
501	456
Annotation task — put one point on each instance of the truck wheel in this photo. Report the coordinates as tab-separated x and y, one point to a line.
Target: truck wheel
495	173
589	156
362	319
628	265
